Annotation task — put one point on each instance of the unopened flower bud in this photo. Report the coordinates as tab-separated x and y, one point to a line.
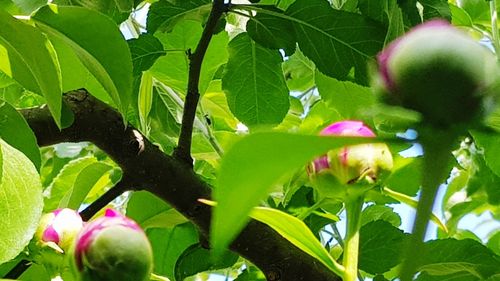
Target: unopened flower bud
113	247
439	71
59	228
355	162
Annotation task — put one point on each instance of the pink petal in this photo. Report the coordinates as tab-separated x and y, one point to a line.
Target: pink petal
50	235
348	128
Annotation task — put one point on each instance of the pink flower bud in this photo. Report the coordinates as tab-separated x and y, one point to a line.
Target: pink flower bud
439	71
113	247
59	227
352	163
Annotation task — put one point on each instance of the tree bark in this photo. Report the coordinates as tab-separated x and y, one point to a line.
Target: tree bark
148	168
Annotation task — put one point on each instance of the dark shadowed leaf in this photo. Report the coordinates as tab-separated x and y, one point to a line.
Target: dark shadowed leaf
197	259
145	50
336	41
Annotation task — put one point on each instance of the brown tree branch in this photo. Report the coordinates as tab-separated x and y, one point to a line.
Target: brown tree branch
183	150
150	169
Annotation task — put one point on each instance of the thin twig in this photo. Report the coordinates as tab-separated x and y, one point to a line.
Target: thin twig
105	199
183	149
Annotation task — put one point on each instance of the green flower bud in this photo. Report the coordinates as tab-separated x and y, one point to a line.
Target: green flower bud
113	247
439	71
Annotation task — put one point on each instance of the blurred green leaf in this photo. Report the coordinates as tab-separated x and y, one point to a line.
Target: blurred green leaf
250	169
27	57
21	201
254	84
118	10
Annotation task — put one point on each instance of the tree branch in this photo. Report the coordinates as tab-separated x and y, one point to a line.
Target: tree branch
150	169
183	150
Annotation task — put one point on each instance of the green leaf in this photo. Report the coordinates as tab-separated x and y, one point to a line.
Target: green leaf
172	69
387	12
196	259
86	179
164	15
489	142
29	7
145	50
251	167
63	184
380	246
254	84
27	57
435	9
118	10
350	100
271	31
494	243
169	244
150	211
459	258
380	212
336	41
406	176
15	131
459	16
297	232
20	201
299	72
85	31
145	100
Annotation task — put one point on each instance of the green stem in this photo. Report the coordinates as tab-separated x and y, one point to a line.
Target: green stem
309	210
437	154
353	208
494	27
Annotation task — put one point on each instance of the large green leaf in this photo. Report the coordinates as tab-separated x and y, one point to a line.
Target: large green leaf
85	31
299	72
16	132
163	15
436	9
172	69
336	41
380	246
466	259
27	57
254	84
297	232
252	166
20	201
